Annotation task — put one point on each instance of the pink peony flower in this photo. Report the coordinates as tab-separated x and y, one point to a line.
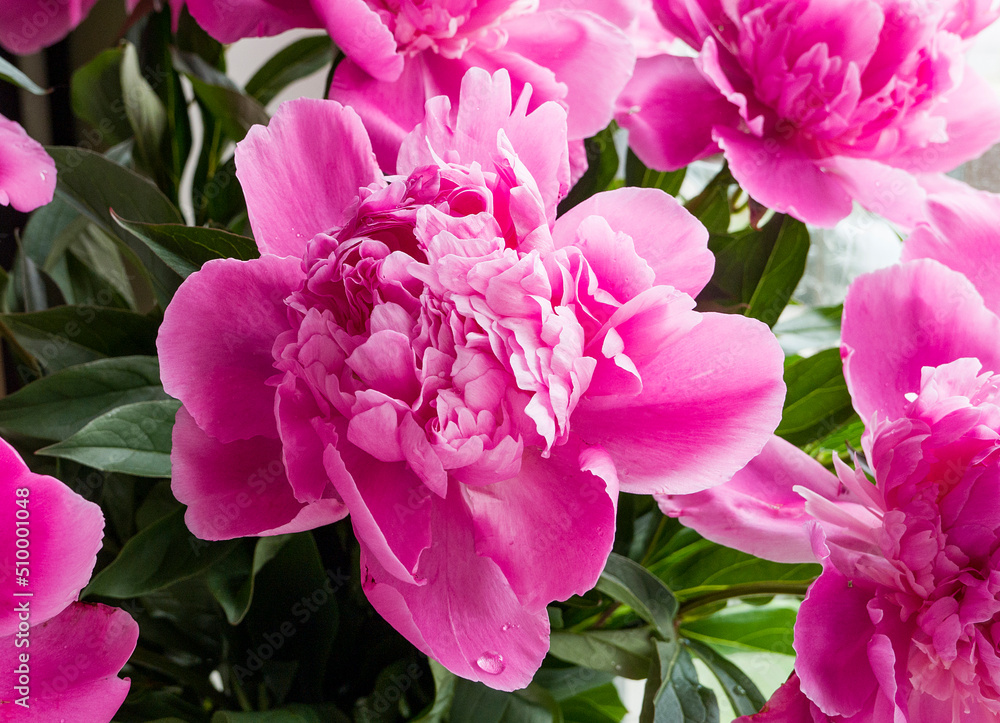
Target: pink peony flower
27	26
401	53
437	354
27	174
60	658
817	104
902	625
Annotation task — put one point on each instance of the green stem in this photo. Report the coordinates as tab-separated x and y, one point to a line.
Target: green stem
750	589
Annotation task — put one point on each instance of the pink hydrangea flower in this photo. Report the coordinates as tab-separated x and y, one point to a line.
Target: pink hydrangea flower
400	53
817	104
437	354
27	173
902	625
60	658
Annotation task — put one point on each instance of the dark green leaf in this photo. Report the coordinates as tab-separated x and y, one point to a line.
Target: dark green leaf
94	185
160	555
291	714
56	406
742	693
817	401
186	248
300	59
475	703
597	705
785	266
636	174
565	683
629	582
11	73
69	335
678	696
146	113
602	165
133	439
444	694
623	652
99	100
232	581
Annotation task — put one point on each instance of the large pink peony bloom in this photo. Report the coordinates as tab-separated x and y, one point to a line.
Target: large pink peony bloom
473	380
27	26
816	104
27	173
399	53
60	658
902	625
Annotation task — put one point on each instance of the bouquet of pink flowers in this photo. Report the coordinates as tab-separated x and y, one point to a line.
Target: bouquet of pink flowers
473	384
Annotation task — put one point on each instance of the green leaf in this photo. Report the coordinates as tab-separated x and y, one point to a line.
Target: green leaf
94	185
597	705
809	328
292	714
673	693
629	582
636	174
622	652
11	73
298	60
186	248
57	406
475	703
232	582
741	692
817	401
97	97
444	694
65	336
602	165
160	555
785	266
146	113
747	628
133	439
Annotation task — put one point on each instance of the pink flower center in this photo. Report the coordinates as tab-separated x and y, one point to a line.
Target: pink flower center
448	27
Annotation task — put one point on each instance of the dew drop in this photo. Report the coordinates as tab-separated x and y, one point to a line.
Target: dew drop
491	663
506	627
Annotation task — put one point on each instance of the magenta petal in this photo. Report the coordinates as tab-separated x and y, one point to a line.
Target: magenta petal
27	26
890	192
785	179
832	633
64	535
292	191
231	20
27	173
963	233
566	506
711	398
668	238
215	343
360	33
592	57
656	106
239	489
901	319
758	511
463	613
74	662
787	705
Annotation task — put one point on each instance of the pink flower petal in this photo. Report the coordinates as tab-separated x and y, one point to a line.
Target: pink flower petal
231	20
74	662
758	511
668	238
359	32
566	506
26	26
656	106
292	191
466	616
901	319
711	397
215	343
239	489
787	705
27	173
64	534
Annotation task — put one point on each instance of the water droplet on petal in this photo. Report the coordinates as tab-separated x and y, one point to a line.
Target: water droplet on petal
506	627
491	663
